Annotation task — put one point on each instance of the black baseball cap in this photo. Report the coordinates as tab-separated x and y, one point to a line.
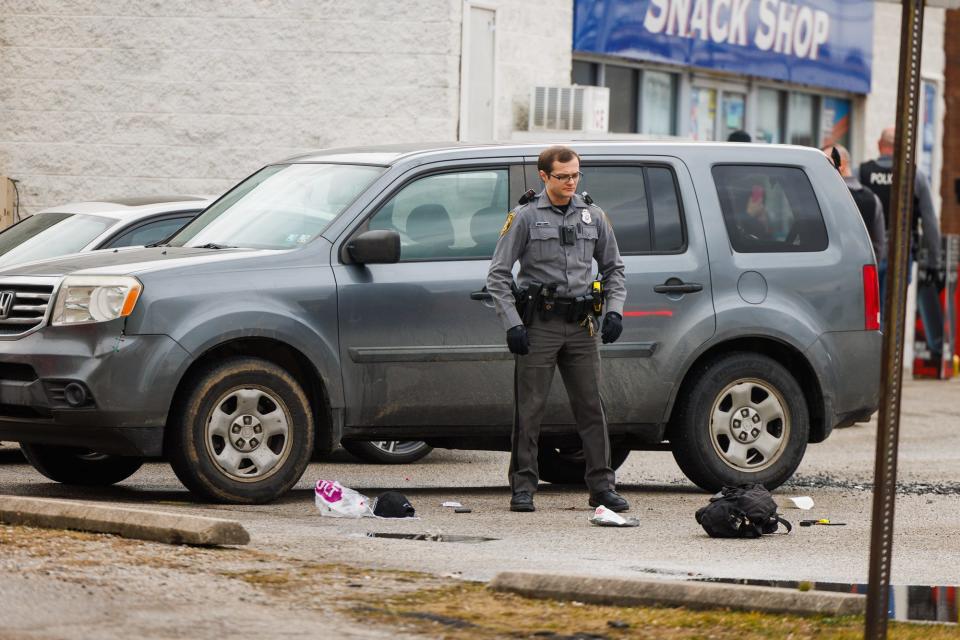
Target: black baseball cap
393	504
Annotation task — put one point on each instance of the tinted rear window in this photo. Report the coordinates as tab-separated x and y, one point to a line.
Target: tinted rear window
629	195
769	209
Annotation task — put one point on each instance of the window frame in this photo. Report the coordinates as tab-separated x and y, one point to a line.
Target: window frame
516	185
816	198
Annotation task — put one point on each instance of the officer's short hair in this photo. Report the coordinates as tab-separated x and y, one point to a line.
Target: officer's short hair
553	154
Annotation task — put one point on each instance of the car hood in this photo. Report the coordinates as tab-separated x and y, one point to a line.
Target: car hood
131	261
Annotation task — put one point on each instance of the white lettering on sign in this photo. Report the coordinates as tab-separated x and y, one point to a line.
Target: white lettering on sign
718	31
881	178
677	17
699	20
782	25
656	18
738	22
766	30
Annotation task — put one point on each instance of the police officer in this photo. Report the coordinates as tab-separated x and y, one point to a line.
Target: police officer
556	235
878	176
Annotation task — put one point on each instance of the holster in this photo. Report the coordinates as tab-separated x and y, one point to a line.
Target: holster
528	299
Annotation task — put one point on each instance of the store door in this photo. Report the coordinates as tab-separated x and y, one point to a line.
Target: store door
479	76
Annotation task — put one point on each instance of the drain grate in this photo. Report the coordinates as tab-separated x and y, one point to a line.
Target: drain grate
431	537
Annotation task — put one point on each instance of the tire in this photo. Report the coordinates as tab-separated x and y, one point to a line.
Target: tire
744	419
72	465
243	433
567	466
388	451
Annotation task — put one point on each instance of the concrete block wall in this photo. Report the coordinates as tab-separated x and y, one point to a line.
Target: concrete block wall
113	98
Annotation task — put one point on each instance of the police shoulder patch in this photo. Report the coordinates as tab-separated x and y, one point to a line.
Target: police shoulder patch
508	223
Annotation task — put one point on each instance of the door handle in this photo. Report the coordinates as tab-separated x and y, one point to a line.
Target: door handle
673	285
482	295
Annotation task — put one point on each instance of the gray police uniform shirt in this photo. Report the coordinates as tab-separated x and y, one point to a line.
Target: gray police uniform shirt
531	234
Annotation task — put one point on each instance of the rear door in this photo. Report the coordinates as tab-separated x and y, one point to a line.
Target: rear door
669	310
416	350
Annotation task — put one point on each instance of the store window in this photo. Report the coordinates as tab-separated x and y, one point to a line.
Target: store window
771	109
802	119
585	73
834	122
769	209
732	114
658	96
622	82
703	113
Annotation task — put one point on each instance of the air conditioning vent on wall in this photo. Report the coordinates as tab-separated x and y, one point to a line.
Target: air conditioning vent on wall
573	108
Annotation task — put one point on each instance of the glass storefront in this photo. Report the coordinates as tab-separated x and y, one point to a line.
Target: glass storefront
647	101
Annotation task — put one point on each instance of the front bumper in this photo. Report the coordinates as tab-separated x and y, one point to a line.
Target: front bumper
131	381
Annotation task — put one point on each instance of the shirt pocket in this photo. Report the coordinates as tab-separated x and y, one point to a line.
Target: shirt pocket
588	235
545	242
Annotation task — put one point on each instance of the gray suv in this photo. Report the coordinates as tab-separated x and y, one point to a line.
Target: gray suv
337	297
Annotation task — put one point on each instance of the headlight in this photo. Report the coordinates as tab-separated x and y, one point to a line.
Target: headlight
85	299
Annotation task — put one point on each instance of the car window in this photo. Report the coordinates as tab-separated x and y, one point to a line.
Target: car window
769	209
628	195
150	233
280	207
448	215
46	235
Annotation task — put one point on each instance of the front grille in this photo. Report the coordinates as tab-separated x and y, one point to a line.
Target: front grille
23	306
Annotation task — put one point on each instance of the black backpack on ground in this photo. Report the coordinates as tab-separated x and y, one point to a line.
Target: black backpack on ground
747	511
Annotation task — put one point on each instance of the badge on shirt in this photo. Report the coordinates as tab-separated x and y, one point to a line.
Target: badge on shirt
585	216
508	223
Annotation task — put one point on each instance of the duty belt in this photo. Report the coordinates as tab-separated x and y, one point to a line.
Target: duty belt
570	309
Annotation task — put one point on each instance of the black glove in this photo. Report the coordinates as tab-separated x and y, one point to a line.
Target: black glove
517	340
935	277
612	327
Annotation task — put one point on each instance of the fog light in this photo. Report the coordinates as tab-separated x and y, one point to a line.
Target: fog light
75	394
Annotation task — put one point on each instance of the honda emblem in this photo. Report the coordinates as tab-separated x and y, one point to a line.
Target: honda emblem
6	303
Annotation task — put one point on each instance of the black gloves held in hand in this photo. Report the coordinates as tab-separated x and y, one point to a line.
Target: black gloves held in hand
612	327
517	340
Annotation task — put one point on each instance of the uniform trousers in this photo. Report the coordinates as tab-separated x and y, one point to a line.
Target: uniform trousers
555	343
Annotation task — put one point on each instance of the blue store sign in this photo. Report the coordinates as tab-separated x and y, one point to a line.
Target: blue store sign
816	42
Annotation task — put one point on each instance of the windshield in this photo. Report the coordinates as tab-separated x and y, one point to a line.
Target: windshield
47	235
279	207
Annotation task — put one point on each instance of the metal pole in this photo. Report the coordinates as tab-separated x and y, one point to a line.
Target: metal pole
891	375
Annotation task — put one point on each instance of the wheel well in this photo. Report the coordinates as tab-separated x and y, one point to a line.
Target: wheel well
790	358
279	353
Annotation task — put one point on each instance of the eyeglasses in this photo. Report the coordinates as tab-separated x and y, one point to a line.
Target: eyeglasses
566	177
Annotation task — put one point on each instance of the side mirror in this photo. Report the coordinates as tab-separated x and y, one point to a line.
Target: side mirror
375	247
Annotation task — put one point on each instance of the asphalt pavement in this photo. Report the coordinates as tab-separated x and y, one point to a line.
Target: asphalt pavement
837	474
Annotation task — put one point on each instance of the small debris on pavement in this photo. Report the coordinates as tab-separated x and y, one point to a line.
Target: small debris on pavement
603	517
795	502
451	503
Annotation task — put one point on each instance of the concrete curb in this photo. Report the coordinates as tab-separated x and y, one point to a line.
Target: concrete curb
672	593
155	526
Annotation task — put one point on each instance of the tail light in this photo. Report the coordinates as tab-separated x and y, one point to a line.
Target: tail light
871	298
